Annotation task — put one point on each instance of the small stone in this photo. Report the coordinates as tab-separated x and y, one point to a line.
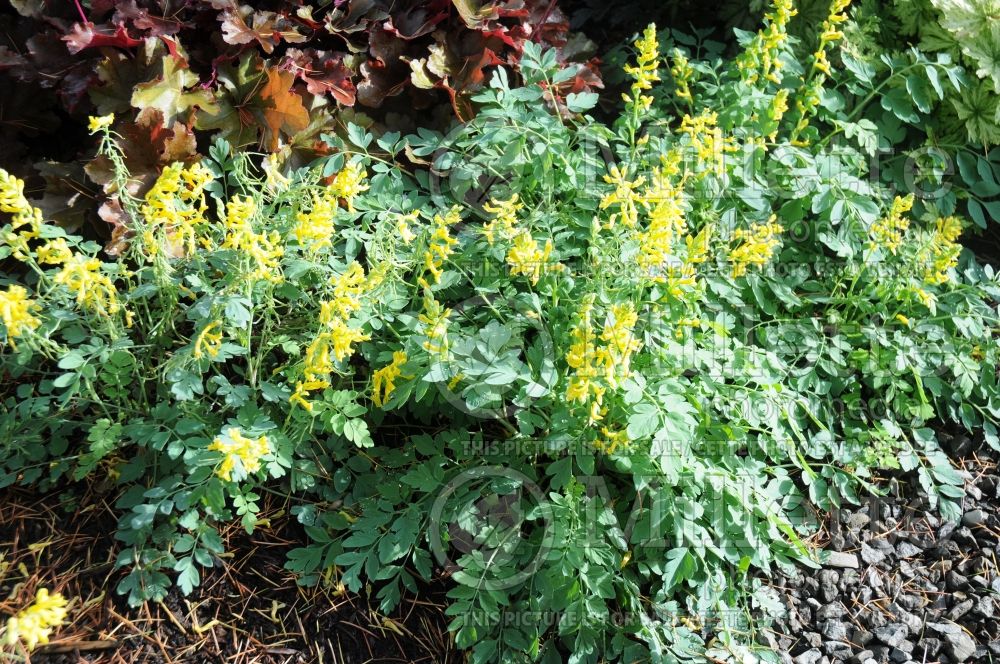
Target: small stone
859	658
960	646
900	656
973	518
810	656
928	648
834	630
911	602
956	581
840	559
907	550
857	521
838	650
960	610
831	610
985	607
892	634
870	555
813	639
862	637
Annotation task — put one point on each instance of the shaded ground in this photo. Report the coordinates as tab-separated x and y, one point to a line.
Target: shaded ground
248	610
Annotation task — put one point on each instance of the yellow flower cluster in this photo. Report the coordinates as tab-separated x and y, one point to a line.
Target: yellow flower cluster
403	222
682	73
314	229
598	366
808	98
384	379
758	245
682	275
209	340
264	249
234	446
27	221
504	219
610	441
941	254
97	123
16	312
761	59
776	111
888	231
94	290
706	139
644	72
348	183
526	258
176	204
440	246
435	320
625	195
336	339
666	226
34	624
54	252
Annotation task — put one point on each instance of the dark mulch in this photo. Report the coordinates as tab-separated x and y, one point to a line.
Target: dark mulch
249	610
922	590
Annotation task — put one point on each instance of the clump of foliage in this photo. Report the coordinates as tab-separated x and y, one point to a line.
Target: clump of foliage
597	375
270	76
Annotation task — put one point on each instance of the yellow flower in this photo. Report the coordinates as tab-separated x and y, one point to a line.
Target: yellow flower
315	229
666	226
610	441
302	390
624	196
435	320
16	312
275	180
903	319
34	625
54	252
403	222
761	59
348	183
504	218
927	299
384	379
707	140
264	249
27	219
777	110
234	446
595	367
526	258
176	205
208	341
440	246
94	290
941	254
682	72
888	231
757	248
97	123
347	291
644	72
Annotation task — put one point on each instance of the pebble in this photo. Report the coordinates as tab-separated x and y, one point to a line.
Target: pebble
841	559
913	587
810	656
892	634
973	518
